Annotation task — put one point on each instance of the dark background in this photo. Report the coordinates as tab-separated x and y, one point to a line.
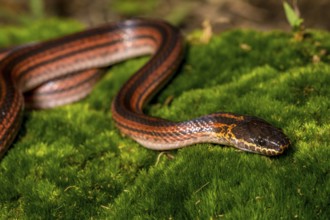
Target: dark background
188	14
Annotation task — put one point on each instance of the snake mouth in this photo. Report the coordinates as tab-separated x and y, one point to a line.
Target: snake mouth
274	152
253	148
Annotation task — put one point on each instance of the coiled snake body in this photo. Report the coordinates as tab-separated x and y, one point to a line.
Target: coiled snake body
63	70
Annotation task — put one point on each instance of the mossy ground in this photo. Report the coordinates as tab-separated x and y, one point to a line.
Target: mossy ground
72	163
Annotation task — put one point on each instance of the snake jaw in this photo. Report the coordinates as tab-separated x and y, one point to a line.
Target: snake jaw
258	149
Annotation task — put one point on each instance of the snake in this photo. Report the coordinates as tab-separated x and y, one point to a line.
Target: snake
63	70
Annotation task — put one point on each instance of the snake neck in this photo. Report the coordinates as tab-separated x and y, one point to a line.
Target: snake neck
160	134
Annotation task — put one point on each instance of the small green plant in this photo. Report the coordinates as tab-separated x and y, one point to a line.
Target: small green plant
36	8
294	19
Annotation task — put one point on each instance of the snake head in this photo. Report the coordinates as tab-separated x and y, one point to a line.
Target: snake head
258	136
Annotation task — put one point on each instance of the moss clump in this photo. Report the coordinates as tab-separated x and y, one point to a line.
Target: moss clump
36	31
71	162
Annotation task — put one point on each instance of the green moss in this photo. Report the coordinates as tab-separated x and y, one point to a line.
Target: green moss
71	162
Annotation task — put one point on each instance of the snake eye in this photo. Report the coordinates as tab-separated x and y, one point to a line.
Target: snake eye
260	141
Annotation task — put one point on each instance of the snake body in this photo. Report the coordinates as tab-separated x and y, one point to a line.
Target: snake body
63	70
